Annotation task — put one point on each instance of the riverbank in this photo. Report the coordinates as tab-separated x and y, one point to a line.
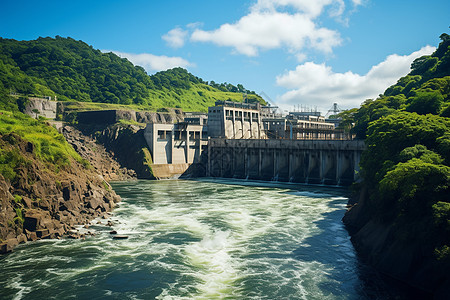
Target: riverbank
54	182
44	202
400	251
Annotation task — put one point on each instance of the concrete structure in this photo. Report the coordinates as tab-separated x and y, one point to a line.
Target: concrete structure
270	112
197	118
303	126
240	143
105	117
174	147
303	161
234	120
44	107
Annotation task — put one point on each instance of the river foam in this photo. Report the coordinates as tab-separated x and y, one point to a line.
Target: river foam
208	239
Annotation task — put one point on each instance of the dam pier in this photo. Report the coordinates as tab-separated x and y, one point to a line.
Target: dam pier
330	162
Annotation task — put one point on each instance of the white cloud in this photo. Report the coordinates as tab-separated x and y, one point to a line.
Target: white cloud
175	38
272	24
317	85
301	57
194	25
153	63
262	30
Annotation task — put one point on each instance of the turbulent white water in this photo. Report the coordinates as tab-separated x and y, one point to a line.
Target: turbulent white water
210	239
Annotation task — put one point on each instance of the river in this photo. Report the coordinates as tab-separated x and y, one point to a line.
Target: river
203	239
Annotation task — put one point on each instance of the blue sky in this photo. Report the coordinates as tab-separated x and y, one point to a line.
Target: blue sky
298	52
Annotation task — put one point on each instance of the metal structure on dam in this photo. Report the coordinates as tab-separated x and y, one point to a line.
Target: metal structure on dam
331	162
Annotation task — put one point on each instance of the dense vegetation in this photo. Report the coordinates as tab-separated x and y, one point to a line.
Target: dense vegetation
73	70
407	164
425	90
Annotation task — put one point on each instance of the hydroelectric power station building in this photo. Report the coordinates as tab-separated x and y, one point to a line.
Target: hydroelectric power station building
247	140
234	120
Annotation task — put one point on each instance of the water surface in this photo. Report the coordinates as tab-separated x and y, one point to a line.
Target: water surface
208	239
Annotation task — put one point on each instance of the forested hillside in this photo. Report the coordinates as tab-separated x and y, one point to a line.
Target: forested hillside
73	70
402	221
425	90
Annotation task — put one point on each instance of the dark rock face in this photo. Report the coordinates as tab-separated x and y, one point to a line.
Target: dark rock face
124	146
127	143
102	161
41	203
406	259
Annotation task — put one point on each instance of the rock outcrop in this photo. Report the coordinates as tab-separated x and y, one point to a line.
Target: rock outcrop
102	161
390	248
126	144
41	202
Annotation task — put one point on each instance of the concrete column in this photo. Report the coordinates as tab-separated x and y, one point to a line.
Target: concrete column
187	146
154	138
251	125
260	163
208	167
247	163
234	123
338	165
259	125
322	166
199	143
172	144
242	125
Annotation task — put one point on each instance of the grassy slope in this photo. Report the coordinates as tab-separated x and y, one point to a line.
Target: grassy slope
198	98
48	145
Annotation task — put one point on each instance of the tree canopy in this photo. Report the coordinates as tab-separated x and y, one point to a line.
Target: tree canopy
73	70
425	90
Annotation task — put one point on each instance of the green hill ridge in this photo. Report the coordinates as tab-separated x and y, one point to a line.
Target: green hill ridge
73	70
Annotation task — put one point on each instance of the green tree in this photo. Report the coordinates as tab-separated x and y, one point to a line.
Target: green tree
426	103
388	136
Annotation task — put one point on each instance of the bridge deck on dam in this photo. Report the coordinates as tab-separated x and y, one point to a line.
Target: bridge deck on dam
333	162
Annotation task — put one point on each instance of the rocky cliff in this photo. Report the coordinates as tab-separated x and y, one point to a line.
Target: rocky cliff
103	161
45	203
126	145
391	249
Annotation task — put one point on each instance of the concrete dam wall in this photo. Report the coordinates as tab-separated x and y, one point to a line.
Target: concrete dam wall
303	161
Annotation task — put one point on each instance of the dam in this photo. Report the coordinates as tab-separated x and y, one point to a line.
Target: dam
244	141
330	162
